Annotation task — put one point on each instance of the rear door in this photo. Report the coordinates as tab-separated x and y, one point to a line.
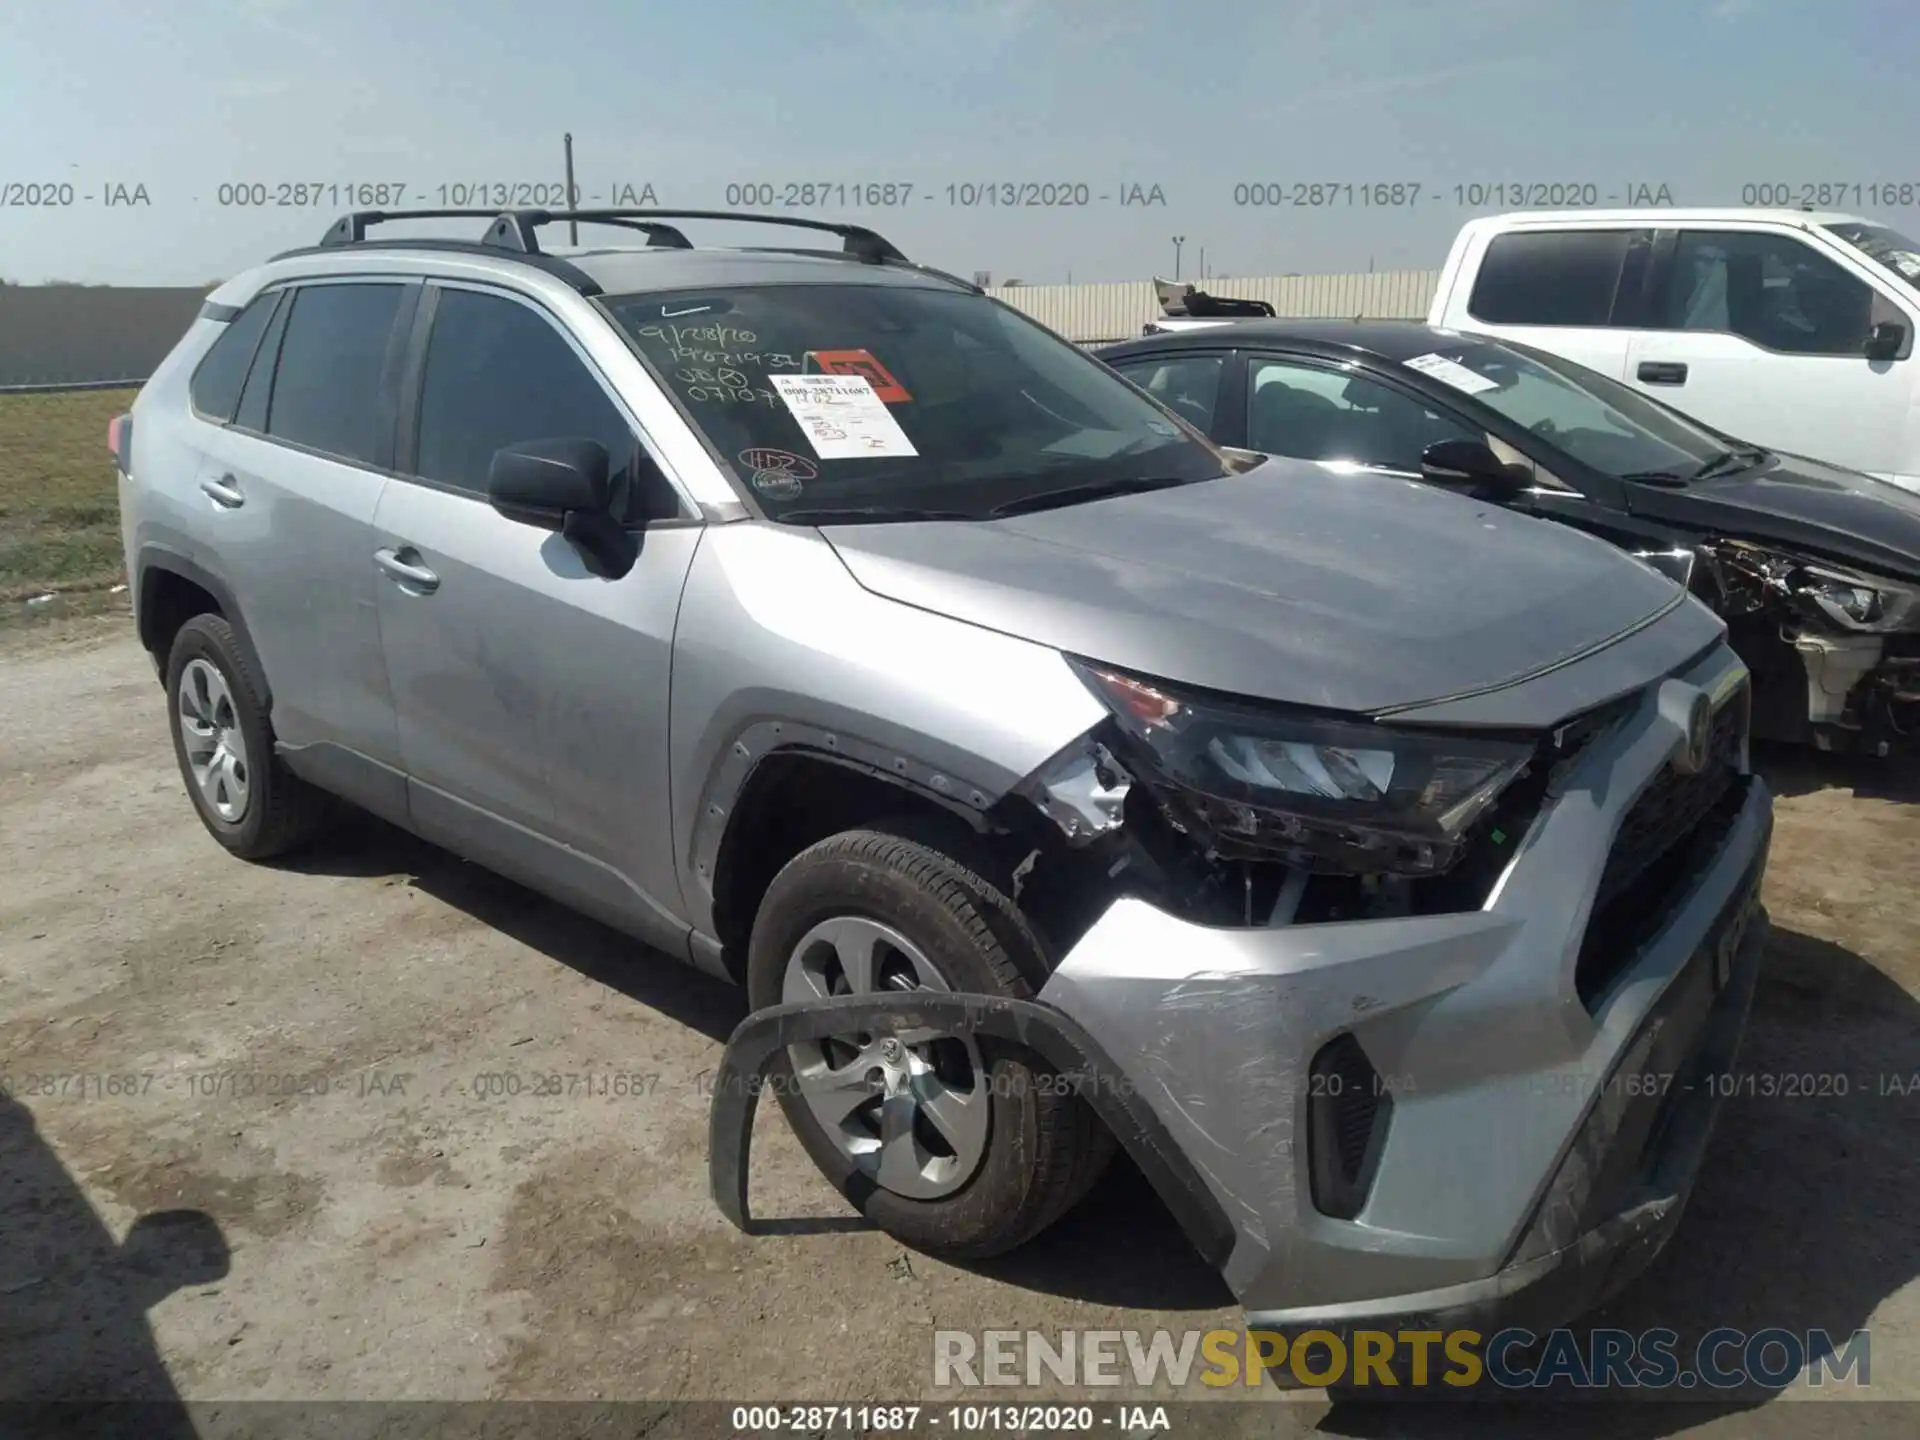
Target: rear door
532	694
1758	333
291	484
1570	291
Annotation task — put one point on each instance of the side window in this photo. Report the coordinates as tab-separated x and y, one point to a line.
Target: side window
215	387
252	414
1186	384
1772	289
1318	414
326	389
499	374
1550	277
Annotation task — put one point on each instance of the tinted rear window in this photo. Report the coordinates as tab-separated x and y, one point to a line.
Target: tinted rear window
1558	277
216	383
326	391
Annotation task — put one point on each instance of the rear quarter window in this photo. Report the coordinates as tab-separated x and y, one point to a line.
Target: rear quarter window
215	387
1550	277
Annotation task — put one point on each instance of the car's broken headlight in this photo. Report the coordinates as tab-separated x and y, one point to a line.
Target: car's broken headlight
1334	795
1855	601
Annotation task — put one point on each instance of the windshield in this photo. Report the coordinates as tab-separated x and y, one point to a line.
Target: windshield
1605	424
1887	248
893	401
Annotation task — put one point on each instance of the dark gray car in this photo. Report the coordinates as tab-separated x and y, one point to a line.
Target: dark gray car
822	622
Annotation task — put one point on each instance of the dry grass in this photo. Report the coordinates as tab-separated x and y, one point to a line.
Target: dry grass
59	508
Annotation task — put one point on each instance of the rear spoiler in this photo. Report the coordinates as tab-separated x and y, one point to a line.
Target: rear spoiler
1185	301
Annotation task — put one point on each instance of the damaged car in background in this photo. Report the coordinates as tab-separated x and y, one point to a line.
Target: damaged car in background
1816	569
1378	869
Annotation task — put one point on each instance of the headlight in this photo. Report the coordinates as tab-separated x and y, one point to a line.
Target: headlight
1339	796
1859	602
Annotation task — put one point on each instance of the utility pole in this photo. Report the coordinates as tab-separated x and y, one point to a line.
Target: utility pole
573	194
1178	241
1203	262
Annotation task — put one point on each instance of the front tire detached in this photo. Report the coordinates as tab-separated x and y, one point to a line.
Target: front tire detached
924	910
223	740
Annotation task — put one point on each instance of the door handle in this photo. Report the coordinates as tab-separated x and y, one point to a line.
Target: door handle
1663	372
224	492
407	572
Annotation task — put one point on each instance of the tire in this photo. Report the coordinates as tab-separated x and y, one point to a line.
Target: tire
267	810
1043	1147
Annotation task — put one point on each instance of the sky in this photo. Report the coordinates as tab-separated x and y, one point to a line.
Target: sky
157	129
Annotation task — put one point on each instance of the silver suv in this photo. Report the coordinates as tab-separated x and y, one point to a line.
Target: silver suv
1381	876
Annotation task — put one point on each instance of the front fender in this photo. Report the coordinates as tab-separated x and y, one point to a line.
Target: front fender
779	648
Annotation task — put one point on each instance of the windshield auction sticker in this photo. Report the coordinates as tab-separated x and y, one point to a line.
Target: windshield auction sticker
860	362
1452	372
841	416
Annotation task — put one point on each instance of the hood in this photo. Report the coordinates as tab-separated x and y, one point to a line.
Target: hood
1804	505
1354	593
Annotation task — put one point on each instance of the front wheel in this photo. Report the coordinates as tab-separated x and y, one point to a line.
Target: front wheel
956	1146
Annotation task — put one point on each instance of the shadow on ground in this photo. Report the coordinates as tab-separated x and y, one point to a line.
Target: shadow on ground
1800	770
366	846
74	1301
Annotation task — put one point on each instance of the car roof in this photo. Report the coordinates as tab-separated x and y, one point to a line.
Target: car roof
1698	215
1394	340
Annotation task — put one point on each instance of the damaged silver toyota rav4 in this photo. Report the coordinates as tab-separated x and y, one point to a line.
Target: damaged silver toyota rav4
1381	877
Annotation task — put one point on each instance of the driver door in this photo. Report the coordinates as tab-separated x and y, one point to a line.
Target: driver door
1342	419
532	693
1761	336
1194	384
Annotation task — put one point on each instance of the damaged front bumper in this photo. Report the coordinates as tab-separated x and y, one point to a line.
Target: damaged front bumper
1378	1122
1850	639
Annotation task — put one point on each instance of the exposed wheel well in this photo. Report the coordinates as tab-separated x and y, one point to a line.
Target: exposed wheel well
791	801
167	601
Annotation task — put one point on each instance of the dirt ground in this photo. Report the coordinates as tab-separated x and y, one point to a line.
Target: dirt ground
318	1079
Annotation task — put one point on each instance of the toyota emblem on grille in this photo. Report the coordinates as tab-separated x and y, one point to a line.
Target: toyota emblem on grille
1691	758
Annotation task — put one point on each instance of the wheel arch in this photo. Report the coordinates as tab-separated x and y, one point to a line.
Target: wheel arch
169	590
796	791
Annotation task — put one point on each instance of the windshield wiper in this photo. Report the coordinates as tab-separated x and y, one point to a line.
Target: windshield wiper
859	514
1656	477
1728	461
1080	494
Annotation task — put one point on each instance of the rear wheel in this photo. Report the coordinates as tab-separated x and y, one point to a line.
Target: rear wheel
248	800
956	1146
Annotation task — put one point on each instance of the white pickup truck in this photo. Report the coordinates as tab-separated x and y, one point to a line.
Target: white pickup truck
1792	329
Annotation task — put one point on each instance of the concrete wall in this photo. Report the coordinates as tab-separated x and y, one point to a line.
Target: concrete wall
62	335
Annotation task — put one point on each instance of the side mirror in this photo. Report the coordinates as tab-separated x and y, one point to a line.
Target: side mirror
1470	465
1885	340
565	485
541	482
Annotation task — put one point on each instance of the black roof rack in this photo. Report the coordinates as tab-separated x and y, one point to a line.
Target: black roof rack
516	229
515	232
554	265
